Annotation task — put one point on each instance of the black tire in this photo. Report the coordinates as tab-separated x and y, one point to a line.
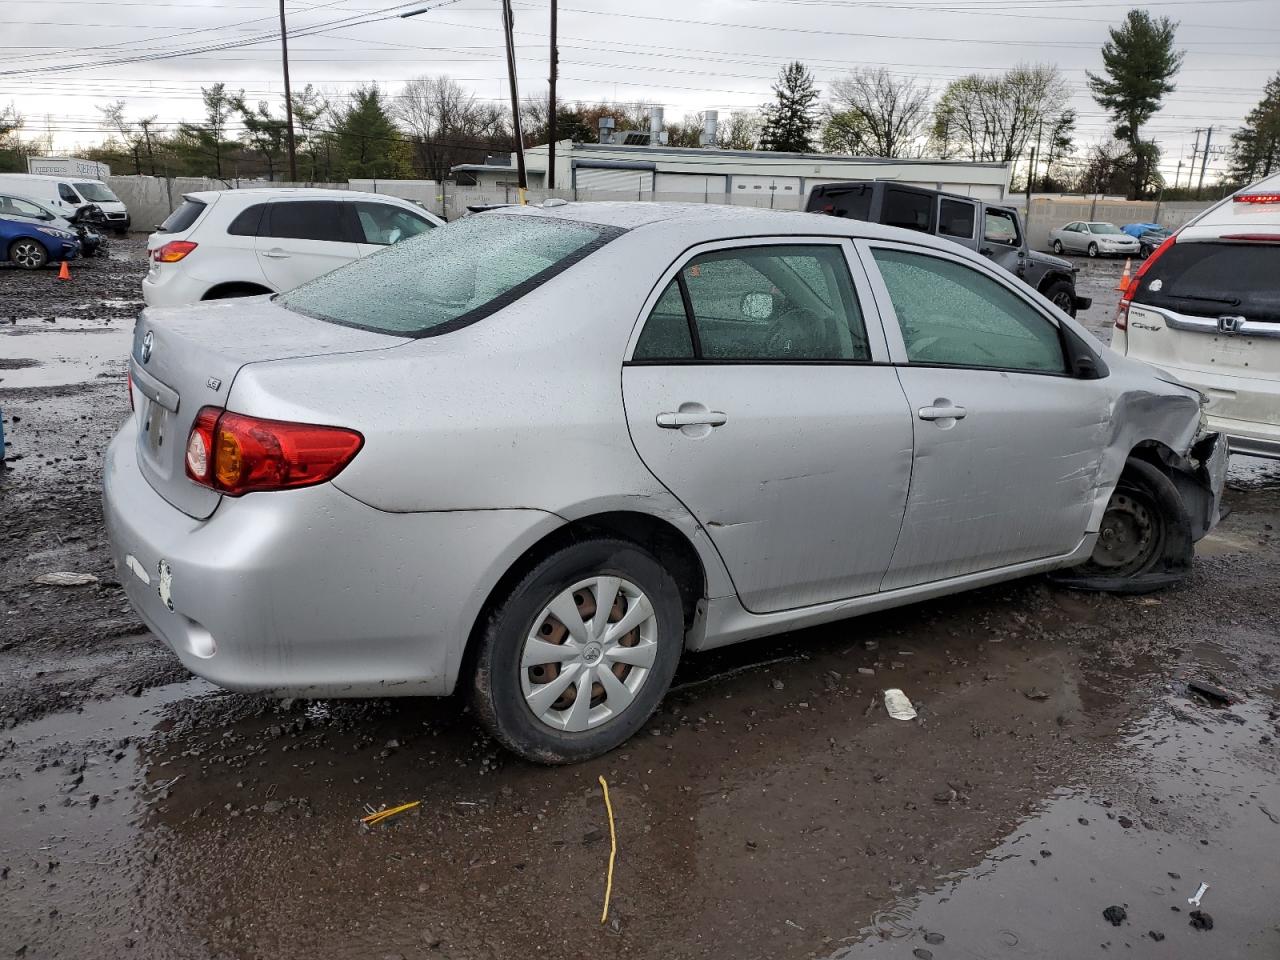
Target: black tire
1093	250
1145	502
1057	247
1062	294
497	694
28	254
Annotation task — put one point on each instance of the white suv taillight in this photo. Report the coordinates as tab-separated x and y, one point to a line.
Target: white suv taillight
173	251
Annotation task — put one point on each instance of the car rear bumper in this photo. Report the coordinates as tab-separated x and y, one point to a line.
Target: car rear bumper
1227	395
307	592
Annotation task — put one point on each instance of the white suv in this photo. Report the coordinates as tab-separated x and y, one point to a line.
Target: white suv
241	243
1206	307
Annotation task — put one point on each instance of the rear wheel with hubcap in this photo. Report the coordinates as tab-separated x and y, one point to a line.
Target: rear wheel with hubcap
579	654
28	254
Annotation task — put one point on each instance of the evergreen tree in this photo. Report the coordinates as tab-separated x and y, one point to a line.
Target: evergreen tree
790	121
366	139
208	140
1140	65
1255	149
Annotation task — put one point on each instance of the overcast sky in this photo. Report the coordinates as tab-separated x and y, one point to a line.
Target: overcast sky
721	54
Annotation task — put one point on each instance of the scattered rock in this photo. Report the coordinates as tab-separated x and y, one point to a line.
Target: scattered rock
1201	920
65	578
866	671
777	684
920	953
1125	822
272	806
933	939
1115	915
1210	691
1035	693
1155	935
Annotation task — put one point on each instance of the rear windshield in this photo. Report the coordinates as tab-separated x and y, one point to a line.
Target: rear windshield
96	192
448	277
182	218
1213	279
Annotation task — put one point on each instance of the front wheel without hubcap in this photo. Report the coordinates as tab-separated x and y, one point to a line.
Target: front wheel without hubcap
579	654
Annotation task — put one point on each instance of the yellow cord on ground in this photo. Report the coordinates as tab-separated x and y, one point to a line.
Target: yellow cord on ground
613	851
381	815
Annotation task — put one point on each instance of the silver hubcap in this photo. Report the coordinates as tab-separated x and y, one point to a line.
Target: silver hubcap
588	654
26	255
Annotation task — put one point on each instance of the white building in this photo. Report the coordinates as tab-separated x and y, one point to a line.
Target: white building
597	171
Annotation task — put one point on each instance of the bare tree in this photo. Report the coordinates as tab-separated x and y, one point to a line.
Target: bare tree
879	114
740	130
448	124
994	118
136	139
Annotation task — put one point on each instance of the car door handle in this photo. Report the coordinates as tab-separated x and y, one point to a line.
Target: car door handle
943	413
276	254
985	251
708	418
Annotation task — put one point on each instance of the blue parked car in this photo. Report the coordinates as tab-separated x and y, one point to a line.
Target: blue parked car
31	245
1138	229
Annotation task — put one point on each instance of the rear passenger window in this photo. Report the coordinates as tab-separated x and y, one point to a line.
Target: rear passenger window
775	303
306	220
907	209
952	315
247	221
955	219
666	333
182	218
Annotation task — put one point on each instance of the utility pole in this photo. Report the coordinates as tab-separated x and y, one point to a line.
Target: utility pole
551	120
1031	175
288	98
508	26
1177	176
1204	162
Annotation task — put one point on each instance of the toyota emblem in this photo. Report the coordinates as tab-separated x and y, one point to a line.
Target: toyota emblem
147	342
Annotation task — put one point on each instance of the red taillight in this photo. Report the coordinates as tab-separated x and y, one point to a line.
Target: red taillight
1256	198
235	454
1252	237
173	251
1122	312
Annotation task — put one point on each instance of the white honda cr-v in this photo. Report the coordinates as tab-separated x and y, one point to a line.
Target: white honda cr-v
242	243
1206	307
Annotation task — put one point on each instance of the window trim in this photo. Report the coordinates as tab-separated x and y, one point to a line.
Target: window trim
862	290
865	249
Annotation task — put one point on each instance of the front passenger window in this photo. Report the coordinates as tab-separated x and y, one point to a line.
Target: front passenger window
384	224
952	315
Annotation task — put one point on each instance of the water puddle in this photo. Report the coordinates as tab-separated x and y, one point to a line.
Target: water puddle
34	353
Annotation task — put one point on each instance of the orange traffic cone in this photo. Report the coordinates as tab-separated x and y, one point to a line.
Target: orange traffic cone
65	272
1123	285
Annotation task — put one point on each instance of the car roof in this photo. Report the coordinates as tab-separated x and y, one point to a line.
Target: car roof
260	194
1229	216
700	222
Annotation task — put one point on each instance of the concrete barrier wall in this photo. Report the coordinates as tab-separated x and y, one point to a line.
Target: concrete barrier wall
1048	213
151	199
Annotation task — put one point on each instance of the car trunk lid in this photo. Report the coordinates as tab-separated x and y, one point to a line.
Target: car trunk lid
1212	307
186	358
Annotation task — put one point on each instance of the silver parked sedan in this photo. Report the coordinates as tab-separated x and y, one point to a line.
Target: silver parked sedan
1094	239
541	453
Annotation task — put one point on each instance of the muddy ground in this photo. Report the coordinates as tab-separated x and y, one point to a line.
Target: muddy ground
1060	764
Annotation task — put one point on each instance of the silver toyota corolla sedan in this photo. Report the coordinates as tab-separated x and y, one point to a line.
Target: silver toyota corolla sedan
542	452
1095	239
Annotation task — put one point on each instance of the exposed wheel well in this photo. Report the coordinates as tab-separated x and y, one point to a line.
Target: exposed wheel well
1051	278
235	289
665	541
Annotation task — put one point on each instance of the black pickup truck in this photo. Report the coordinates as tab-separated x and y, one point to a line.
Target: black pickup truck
994	231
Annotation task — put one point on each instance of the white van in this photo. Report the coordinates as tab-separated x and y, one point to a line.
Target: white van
68	194
1206	307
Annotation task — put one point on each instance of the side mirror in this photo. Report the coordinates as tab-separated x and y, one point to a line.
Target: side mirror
757	306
